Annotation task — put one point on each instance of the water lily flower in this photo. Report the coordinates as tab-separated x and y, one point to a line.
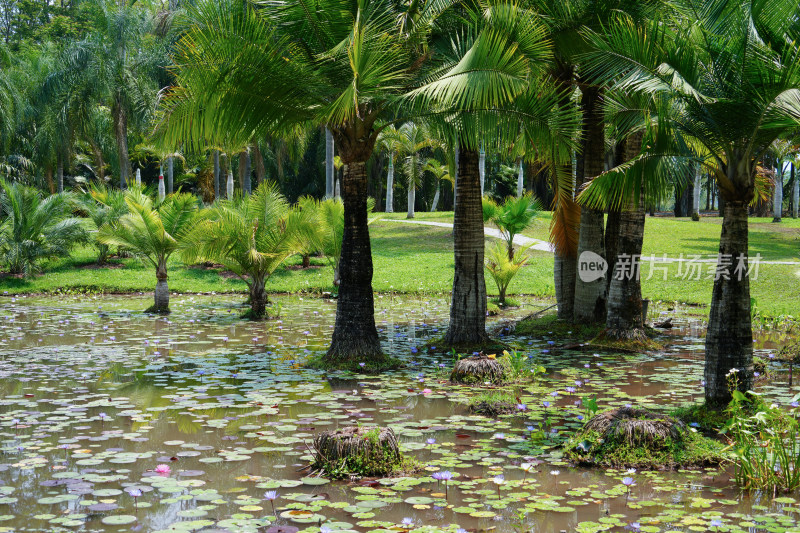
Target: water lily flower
408	521
134	492
271	496
431	441
522	407
630	471
163	470
362	365
628	481
546	404
555	472
426	391
499	479
716	523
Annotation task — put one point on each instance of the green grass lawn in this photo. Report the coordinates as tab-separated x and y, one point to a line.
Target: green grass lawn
414	258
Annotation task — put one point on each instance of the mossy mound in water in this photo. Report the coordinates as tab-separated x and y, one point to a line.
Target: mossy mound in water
630	437
358	452
478	369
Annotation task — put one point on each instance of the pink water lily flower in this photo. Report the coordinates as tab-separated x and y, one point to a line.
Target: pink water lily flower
164	470
426	391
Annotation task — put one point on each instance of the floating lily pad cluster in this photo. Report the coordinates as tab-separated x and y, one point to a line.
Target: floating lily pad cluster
115	421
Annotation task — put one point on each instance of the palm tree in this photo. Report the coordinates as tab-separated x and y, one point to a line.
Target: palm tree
575	230
390	140
252	236
513	217
490	90
413	139
33	228
153	232
355	60
104	206
734	95
440	173
503	268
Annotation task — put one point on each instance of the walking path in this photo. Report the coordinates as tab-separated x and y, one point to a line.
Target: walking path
545	246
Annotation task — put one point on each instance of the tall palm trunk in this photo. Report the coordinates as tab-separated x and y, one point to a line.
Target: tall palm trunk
777	195
390	185
229	185
261	171
520	178
355	337
328	164
624	319
468	306
161	297
258	298
48	174
412	196
795	193
729	339
482	168
170	175
121	135
696	196
60	173
435	203
244	172
216	174
590	296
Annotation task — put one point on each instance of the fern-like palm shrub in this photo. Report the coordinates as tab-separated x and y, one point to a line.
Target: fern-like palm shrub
503	268
252	236
153	232
512	217
34	229
104	206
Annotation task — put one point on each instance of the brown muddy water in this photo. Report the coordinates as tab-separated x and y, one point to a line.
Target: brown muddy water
200	415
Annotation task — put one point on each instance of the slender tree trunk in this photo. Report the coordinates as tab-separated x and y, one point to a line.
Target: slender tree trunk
329	169
258	299
520	179
60	173
138	177
98	161
162	191
230	183
729	339
795	193
355	337
482	168
613	227
161	297
590	295
51	186
121	134
455	179
170	175
216	175
624	319
412	199
697	191
777	195
435	203
390	185
468	307
261	171
244	172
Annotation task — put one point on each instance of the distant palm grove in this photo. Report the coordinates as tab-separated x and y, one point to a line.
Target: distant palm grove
244	132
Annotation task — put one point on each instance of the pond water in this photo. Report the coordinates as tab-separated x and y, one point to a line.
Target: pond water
98	399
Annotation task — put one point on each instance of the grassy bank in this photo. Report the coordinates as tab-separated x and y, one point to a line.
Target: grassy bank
412	258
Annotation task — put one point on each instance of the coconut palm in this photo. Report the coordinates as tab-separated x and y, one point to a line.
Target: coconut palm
355	60
390	140
153	232
33	229
252	236
734	95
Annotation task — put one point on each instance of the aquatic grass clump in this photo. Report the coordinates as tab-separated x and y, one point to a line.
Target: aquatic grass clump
478	369
494	403
765	443
639	438
355	452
